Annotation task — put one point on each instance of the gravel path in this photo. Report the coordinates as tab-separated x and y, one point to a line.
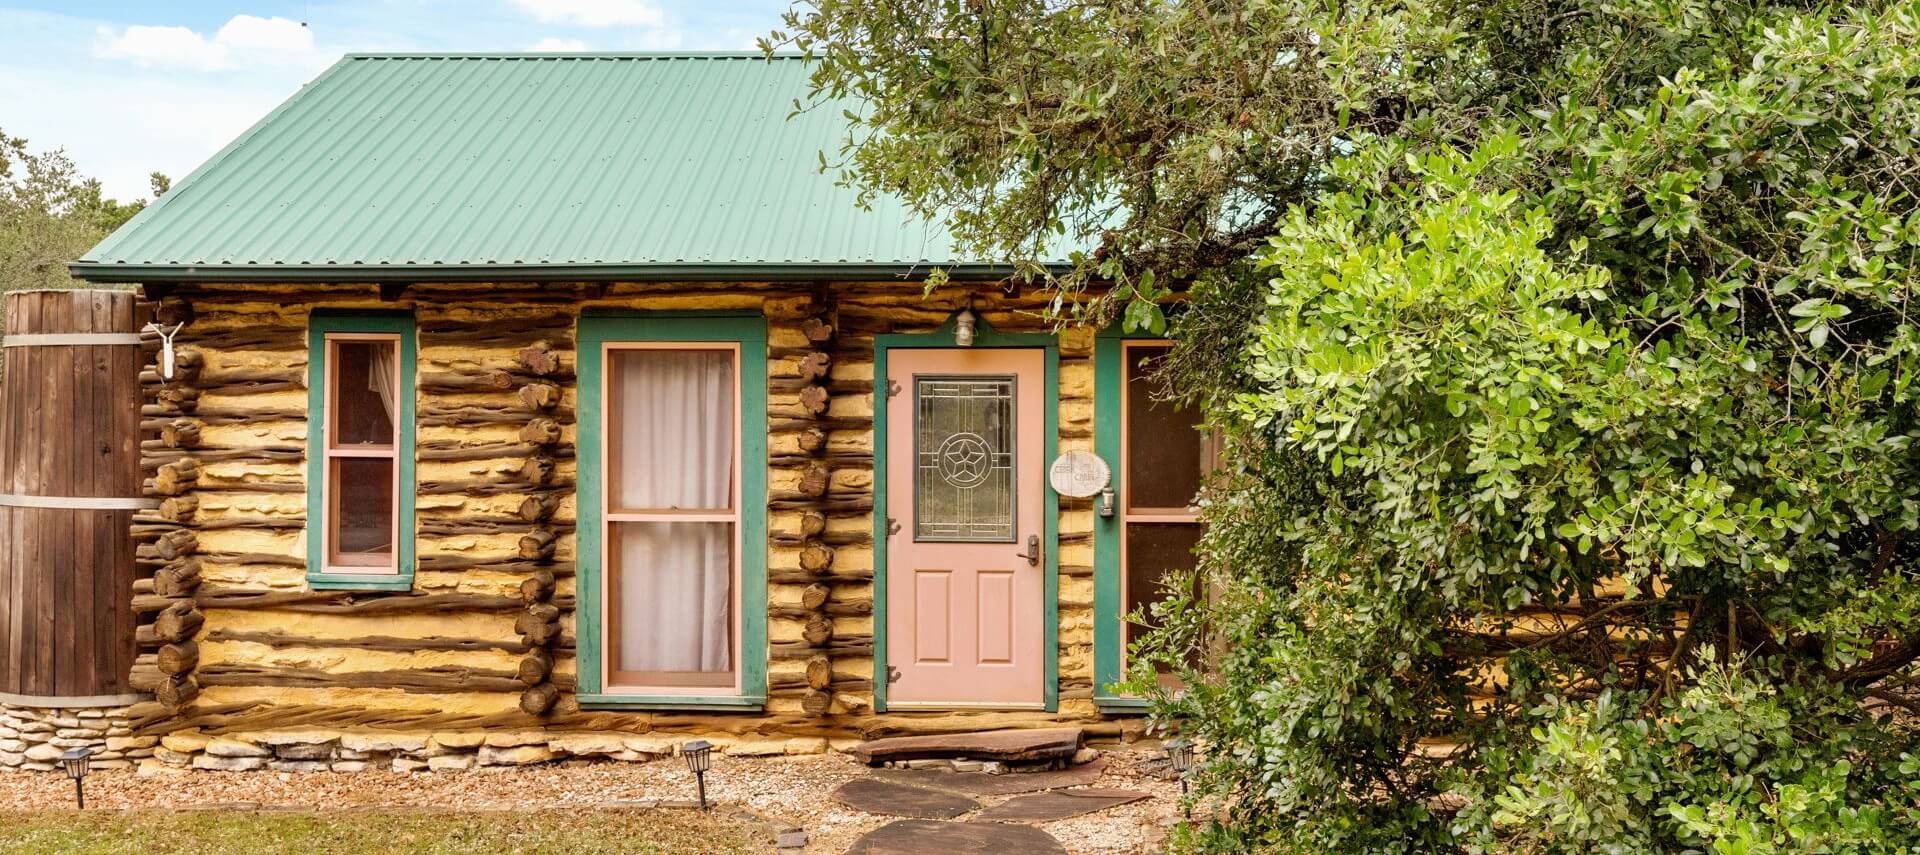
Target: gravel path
782	789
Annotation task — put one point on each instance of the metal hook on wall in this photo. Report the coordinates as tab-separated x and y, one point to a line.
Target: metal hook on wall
166	347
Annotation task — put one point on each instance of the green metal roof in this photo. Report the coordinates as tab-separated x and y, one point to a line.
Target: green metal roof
412	167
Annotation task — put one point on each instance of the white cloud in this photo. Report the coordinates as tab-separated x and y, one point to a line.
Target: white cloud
177	46
246	32
595	13
135	123
244	40
557	45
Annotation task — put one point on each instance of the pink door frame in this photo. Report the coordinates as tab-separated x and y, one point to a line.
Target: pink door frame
986	640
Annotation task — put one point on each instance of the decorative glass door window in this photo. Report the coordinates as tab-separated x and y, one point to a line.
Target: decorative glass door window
672	514
1165	457
361	487
963	458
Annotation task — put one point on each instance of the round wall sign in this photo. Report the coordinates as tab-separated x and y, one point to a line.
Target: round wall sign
1079	474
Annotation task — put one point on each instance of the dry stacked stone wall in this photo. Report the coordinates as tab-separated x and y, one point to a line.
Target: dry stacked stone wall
331	751
32	738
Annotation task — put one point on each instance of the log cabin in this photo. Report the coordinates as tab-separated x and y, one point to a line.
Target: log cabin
540	404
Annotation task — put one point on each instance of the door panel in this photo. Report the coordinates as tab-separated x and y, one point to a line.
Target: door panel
965	607
933	600
996	617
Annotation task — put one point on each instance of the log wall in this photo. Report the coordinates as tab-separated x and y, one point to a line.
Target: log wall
233	640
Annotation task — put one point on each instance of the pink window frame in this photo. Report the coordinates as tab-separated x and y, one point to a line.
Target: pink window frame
329	496
612	681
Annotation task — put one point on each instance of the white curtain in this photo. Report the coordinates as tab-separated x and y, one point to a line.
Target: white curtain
380	372
675	445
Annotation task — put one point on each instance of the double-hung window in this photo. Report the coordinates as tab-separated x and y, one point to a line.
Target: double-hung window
360	452
673	567
1161	455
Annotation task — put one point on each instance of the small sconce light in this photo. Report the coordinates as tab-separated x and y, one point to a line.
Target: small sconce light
1180	755
78	761
699	754
1106	502
963	327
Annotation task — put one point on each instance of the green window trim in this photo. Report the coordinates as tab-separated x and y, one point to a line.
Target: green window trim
319	325
676	703
749	332
1107	614
984	337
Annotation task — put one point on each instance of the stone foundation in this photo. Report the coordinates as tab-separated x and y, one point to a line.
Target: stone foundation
338	751
32	738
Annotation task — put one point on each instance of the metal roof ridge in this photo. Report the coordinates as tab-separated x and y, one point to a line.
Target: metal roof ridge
647	271
611	54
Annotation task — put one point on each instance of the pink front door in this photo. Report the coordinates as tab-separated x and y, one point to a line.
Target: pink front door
965	562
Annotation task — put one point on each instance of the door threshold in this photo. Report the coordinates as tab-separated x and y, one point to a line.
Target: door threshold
970	706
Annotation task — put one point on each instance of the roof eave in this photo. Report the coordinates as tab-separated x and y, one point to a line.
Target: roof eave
106	273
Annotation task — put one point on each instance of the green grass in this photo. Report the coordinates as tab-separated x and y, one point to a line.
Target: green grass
558	831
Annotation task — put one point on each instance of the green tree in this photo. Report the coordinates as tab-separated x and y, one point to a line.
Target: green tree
1564	354
50	215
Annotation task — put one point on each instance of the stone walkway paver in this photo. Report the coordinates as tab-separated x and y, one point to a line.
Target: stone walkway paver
936	837
1058	804
890	799
938	792
983	784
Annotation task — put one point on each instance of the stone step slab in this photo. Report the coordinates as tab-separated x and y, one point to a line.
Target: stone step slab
1012	746
983	784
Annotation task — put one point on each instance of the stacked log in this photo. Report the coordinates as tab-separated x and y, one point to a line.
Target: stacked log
539	625
468	397
167	543
805	373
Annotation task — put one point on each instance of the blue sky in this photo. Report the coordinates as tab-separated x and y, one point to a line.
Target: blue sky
128	88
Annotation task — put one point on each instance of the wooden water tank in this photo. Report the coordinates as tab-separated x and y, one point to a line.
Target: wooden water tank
69	485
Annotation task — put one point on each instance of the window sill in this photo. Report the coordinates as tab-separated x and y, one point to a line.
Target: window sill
1115	705
353	582
689	703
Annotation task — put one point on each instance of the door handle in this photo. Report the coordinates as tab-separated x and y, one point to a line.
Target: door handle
1033	551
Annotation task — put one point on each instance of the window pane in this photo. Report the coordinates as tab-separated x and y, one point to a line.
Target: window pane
363	393
671	598
1165	453
672	421
963	458
362	512
1154	549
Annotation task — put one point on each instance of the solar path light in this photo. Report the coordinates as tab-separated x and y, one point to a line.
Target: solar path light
1180	755
699	754
78	762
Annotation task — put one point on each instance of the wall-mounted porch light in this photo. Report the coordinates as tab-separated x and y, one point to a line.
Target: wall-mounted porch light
963	327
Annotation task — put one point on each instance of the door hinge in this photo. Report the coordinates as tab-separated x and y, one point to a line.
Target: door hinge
893	674
893	526
893	388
